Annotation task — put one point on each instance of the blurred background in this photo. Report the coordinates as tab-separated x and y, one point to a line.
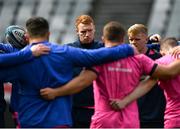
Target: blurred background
160	16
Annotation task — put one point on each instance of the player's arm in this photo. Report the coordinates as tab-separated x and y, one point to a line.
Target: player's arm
10	59
161	71
167	71
74	86
88	58
170	70
143	87
158	71
6	48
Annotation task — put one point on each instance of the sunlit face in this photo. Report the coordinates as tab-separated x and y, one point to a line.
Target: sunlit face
138	41
86	33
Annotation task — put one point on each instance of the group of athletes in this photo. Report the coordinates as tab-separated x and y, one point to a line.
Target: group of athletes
115	85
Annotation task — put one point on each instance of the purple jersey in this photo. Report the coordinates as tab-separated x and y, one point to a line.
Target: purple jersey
116	80
172	93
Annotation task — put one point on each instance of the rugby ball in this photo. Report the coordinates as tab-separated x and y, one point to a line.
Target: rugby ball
15	35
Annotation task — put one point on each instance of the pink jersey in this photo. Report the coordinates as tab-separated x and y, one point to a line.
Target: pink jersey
116	80
172	93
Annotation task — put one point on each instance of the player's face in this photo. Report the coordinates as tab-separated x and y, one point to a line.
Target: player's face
86	33
138	41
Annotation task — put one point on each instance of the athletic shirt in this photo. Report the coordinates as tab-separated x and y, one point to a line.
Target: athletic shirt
172	93
13	106
116	80
54	70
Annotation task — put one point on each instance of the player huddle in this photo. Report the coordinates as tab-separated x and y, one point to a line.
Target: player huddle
44	84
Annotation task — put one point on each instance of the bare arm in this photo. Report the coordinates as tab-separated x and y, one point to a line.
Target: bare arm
143	87
74	86
167	71
162	72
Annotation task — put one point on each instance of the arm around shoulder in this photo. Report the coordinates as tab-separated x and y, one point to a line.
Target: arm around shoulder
74	86
167	71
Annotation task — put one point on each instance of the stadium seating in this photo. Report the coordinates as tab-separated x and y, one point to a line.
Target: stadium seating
128	12
161	16
60	14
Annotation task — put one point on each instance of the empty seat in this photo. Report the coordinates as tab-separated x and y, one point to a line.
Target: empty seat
6	15
44	8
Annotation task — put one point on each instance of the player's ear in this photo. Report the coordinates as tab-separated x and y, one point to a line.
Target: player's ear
103	39
26	37
162	53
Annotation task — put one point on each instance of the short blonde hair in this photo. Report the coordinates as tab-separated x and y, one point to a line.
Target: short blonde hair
137	28
84	19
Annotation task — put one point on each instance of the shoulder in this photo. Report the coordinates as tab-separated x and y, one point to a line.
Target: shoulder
99	43
141	56
143	59
74	44
165	59
8	48
57	48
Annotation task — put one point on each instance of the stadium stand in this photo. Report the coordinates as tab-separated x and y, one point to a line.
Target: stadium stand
25	11
156	24
6	16
173	27
127	12
60	14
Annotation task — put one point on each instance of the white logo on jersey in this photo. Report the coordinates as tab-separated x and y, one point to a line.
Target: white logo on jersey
118	69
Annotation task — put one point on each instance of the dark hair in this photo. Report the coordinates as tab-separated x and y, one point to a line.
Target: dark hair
168	43
114	31
37	26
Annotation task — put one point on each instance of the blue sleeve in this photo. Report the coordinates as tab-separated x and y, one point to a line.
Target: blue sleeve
88	58
7	48
10	59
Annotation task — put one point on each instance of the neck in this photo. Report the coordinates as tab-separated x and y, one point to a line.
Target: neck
112	44
36	40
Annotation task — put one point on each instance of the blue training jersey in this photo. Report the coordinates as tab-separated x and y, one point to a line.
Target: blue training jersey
54	70
10	59
8	48
7	58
